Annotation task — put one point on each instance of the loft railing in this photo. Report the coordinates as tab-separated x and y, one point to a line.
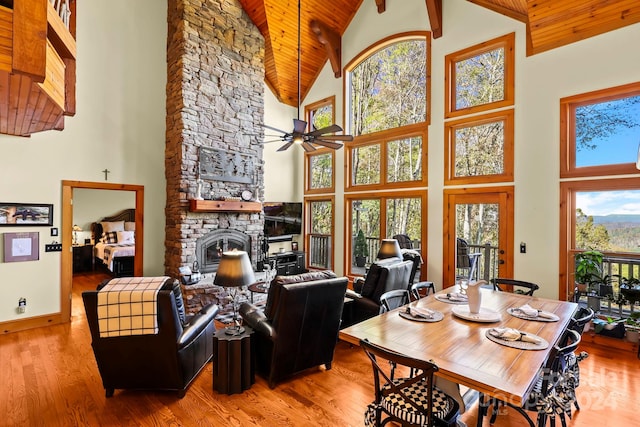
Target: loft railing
320	251
63	8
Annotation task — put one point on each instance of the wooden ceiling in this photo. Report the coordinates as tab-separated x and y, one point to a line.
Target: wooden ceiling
550	24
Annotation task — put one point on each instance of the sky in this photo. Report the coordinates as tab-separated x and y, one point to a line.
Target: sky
620	148
597	203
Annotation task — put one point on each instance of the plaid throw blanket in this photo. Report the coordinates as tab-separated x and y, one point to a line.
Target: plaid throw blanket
128	306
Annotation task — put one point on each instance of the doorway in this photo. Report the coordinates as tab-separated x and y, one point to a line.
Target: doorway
66	259
484	218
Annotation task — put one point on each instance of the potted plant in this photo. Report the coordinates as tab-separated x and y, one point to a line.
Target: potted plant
588	266
360	249
632	326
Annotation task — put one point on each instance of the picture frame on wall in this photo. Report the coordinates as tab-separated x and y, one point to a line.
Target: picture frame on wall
21	247
26	214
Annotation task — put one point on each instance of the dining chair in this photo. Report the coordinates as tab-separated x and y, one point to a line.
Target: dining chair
577	323
520	286
553	391
393	299
416	287
411	400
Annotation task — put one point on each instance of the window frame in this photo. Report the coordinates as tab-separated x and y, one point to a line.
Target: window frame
507	42
382	139
507	117
307	229
308	111
568	106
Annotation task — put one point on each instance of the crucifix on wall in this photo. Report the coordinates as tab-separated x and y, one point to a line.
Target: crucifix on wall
106	174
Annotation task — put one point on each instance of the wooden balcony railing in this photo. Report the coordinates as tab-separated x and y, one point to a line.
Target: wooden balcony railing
37	65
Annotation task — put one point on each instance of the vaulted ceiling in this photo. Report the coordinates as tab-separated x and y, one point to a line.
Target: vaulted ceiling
550	24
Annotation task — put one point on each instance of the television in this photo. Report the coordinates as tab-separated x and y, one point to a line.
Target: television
282	220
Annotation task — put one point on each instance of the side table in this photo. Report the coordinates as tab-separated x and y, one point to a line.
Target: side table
233	364
259	287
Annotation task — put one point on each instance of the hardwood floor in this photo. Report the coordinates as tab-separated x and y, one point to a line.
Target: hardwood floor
48	377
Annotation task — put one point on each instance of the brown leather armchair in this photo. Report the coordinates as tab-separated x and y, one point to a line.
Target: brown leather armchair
383	276
168	360
299	326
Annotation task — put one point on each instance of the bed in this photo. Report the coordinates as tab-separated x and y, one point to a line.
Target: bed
114	242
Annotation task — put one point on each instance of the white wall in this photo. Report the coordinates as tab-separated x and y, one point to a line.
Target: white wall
119	125
599	62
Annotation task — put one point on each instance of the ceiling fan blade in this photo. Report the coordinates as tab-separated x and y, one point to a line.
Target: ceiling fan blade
308	147
285	146
337	137
273	140
276	129
328	144
299	126
328	129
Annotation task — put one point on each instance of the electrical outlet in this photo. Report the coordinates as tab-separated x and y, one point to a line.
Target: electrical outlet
22	305
53	247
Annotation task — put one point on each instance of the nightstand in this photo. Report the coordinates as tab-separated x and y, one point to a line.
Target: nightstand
82	258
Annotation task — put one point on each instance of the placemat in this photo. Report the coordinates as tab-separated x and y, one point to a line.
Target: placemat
520	315
437	316
445	298
522	345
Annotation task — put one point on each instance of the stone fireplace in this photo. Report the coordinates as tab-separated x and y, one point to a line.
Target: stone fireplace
215	102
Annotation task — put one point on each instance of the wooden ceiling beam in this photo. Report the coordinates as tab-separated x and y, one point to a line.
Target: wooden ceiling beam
382	6
520	15
332	43
434	9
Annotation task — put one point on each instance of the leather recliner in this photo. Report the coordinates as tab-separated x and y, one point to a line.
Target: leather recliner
299	326
383	276
168	360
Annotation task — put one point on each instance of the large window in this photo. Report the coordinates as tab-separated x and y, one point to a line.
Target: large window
387	102
319	233
387	94
388	88
601	132
599	139
480	78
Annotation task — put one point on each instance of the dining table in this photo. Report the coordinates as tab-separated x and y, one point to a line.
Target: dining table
460	346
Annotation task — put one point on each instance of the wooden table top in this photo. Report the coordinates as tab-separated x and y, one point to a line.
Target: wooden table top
460	348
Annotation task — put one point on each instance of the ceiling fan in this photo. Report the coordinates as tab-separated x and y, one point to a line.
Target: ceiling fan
298	135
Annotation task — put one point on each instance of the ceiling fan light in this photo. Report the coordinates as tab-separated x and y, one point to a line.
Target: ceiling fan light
298	139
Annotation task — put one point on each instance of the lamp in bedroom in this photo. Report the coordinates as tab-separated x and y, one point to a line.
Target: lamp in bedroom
76	228
234	272
389	248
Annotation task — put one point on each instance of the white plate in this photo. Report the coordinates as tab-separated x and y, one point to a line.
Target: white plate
485	315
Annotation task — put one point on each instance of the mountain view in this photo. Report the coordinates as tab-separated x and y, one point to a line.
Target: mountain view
623	230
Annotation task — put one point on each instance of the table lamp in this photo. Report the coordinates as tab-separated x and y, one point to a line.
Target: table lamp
76	228
234	271
388	249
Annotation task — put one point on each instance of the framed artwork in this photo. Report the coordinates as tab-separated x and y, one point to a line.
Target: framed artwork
294	246
25	214
21	247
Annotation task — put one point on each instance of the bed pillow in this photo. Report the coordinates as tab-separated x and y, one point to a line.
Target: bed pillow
110	237
125	237
129	226
112	226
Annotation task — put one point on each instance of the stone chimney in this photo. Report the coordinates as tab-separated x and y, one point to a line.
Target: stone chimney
215	104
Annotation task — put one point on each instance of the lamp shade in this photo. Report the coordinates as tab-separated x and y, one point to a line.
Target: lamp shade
76	227
234	270
389	248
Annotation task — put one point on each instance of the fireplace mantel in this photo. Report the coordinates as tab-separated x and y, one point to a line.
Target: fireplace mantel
224	206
